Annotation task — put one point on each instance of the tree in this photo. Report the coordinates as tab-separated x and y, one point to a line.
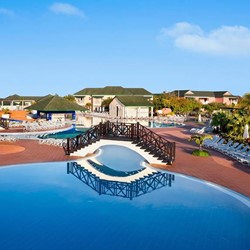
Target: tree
244	103
177	105
70	98
211	107
106	102
236	124
88	105
220	120
231	124
199	139
159	102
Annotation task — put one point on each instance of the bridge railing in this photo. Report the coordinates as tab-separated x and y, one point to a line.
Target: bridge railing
4	123
140	135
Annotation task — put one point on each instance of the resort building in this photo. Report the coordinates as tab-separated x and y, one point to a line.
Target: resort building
17	102
93	97
206	97
55	108
130	107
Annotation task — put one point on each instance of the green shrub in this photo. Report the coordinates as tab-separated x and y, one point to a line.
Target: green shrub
202	153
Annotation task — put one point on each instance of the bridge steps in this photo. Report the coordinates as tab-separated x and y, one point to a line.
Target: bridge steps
151	159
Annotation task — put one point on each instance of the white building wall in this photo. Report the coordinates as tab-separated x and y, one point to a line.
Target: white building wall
117	109
114	106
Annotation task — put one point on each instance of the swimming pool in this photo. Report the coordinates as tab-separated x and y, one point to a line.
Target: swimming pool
70	133
44	206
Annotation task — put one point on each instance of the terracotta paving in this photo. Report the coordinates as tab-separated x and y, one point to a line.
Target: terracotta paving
217	169
33	152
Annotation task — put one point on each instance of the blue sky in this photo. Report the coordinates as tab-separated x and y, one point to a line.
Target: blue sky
64	46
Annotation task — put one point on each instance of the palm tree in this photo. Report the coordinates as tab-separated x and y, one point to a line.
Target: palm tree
236	124
199	140
220	120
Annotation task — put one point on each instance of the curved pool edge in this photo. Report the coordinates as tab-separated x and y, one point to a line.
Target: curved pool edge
241	197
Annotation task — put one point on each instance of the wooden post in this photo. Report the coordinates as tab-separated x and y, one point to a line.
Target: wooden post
132	130
137	130
67	153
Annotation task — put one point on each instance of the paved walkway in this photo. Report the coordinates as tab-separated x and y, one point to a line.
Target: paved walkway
217	169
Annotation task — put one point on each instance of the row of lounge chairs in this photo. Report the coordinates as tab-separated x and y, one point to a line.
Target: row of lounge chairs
235	150
162	119
42	125
7	138
52	141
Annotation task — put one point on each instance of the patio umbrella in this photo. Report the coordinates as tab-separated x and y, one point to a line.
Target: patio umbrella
199	118
246	133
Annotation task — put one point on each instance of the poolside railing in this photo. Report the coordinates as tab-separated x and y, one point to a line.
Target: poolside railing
143	137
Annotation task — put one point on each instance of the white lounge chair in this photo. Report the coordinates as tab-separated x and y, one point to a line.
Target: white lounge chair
197	130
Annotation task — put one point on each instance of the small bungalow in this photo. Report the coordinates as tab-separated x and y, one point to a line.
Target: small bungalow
56	108
130	107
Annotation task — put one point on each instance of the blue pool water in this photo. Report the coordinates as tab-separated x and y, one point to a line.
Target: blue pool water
43	206
70	133
163	125
120	158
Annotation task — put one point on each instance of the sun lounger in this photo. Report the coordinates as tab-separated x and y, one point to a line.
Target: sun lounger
210	142
197	130
217	144
234	148
224	147
240	152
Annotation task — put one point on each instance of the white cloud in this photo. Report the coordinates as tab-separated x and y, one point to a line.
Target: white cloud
226	40
6	12
66	9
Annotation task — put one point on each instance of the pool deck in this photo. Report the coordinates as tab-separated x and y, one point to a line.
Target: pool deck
218	168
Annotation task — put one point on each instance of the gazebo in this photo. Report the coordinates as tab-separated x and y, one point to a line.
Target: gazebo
52	106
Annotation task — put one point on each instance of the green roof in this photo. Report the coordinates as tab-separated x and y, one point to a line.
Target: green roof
22	98
138	91
134	101
112	90
193	93
55	103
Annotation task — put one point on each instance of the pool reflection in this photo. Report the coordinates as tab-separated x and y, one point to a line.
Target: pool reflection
129	190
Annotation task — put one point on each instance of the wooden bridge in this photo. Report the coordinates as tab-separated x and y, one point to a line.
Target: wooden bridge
143	137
